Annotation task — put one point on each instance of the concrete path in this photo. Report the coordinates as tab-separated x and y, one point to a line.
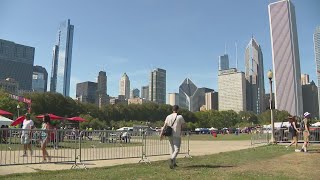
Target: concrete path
197	148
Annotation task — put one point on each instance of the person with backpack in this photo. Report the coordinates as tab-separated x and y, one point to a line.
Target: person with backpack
293	130
172	129
305	124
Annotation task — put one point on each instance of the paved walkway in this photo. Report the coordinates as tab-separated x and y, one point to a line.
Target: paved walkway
197	148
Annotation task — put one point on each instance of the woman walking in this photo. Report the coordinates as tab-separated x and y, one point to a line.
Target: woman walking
293	131
45	137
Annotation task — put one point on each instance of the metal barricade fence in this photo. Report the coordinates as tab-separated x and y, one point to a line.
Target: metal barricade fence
283	135
260	136
61	146
72	146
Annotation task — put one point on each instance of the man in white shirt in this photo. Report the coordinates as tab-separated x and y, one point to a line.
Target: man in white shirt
26	134
177	123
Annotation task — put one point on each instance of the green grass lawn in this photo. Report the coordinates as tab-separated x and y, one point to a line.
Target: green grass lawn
268	162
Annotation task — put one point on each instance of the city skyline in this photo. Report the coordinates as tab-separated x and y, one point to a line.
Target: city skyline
169	49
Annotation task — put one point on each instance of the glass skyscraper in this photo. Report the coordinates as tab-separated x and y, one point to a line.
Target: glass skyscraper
39	79
316	40
157	87
62	57
285	56
223	62
124	86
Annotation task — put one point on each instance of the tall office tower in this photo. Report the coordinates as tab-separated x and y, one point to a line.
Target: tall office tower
102	89
135	93
145	92
124	86
304	79
285	56
223	62
310	99
62	57
39	79
316	41
232	90
16	62
255	77
173	99
157	87
211	100
86	92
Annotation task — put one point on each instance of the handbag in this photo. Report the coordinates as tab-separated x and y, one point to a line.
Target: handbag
167	130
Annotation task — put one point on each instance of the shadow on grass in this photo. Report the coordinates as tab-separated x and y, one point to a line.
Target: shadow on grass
207	166
314	151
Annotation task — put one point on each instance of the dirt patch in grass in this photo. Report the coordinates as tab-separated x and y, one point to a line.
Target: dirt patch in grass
296	165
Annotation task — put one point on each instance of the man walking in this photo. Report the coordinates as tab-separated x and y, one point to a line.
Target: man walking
177	123
26	134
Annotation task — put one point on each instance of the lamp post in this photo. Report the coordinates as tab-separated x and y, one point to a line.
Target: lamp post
18	108
270	76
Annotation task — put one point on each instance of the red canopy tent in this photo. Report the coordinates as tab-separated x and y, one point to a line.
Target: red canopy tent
19	120
2	112
79	119
52	117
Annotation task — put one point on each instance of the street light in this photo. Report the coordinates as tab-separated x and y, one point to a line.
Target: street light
18	108
270	76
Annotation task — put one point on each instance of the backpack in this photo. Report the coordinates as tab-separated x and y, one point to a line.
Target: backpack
167	130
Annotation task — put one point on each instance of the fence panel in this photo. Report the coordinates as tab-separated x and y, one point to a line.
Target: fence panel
260	136
283	135
60	147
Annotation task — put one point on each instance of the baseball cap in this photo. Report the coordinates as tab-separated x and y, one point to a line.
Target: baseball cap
306	114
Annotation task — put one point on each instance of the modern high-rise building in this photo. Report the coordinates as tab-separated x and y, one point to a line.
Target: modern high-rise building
254	74
135	93
86	92
157	87
285	56
223	62
310	99
316	41
211	101
62	57
124	86
173	99
16	62
145	92
304	79
10	86
39	79
102	89
232	90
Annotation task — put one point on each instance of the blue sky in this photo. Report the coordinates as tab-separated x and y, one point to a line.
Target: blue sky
185	37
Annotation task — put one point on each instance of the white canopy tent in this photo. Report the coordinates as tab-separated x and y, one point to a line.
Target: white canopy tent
316	124
5	121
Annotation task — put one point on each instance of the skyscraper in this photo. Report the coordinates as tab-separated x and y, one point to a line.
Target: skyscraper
145	92
16	62
188	95
211	100
255	77
157	87
316	41
173	99
86	92
39	79
223	62
304	79
232	90
102	89
124	86
135	93
285	56
310	99
62	57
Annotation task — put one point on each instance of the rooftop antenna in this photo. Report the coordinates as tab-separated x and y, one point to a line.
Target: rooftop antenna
236	55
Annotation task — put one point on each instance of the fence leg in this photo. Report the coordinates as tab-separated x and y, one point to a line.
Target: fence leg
144	150
76	163
188	144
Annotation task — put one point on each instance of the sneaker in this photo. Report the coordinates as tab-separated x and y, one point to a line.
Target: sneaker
171	164
301	150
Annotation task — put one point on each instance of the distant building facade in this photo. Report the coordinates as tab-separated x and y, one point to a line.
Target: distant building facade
285	57
39	79
254	74
232	90
316	41
86	92
16	62
223	62
211	101
61	61
173	99
124	86
310	99
135	93
145	92
10	85
136	101
102	97
157	86
304	79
